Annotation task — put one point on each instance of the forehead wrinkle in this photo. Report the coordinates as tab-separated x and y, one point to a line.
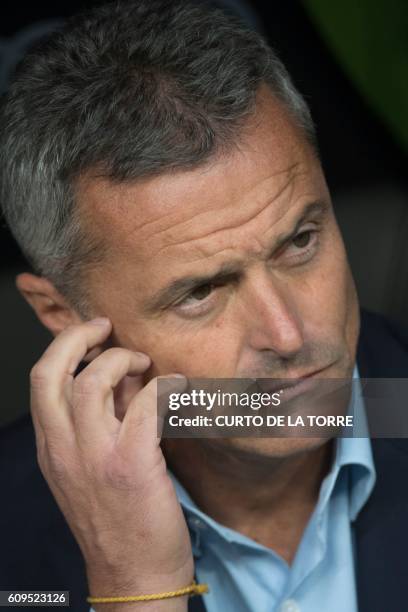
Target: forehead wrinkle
238	224
203	244
202	255
290	171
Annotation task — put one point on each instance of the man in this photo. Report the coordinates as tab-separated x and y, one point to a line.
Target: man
160	172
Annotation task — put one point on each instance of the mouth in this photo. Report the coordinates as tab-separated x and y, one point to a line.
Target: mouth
291	386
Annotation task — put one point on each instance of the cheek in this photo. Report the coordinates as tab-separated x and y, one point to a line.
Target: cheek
332	303
208	352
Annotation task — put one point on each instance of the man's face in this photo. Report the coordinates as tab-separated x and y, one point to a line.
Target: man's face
234	269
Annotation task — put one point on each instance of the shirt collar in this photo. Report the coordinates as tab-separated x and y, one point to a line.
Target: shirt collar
357	453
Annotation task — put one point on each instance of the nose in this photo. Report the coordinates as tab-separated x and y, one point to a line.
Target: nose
273	322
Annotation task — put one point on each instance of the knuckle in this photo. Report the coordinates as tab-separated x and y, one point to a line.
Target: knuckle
58	465
39	374
88	384
59	468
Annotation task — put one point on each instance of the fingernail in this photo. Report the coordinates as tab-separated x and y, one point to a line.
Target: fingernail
104	321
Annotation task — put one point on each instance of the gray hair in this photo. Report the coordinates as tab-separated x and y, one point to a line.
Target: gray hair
132	89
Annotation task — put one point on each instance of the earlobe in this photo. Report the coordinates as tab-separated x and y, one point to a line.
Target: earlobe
50	306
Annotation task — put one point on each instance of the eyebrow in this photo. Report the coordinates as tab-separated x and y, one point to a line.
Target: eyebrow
227	272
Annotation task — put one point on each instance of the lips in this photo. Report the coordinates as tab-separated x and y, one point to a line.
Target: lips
273	385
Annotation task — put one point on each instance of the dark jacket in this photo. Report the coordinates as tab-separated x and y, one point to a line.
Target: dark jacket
38	551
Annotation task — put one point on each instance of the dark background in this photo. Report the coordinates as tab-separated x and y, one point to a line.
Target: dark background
365	168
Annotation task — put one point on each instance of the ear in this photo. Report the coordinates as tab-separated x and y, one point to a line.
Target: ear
50	306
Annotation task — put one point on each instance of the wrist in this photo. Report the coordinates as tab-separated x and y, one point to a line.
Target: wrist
120	583
115	586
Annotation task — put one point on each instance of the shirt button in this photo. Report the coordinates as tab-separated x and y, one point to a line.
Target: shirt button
196	522
290	605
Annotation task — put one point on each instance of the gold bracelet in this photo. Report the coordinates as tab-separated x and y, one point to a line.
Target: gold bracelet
192	589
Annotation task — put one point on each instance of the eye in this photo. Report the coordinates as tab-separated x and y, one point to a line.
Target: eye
201	293
197	299
302	240
302	247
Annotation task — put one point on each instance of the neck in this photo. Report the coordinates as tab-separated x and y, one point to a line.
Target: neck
268	499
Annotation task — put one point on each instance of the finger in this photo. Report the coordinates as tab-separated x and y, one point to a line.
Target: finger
93	390
141	419
125	392
52	376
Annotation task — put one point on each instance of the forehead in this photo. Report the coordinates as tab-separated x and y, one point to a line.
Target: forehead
186	216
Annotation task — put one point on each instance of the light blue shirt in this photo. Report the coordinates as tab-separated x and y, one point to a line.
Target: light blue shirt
245	576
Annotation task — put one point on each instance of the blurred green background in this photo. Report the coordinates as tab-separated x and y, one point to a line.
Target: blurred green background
370	41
